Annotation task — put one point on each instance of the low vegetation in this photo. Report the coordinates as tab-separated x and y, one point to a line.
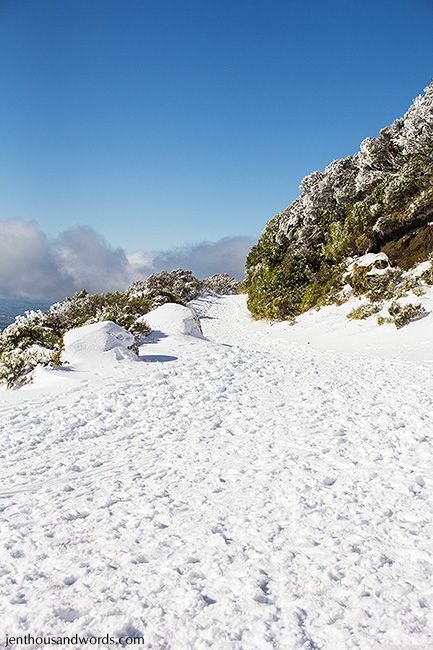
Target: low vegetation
36	338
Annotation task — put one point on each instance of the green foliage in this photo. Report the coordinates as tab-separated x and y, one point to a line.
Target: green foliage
383	320
427	276
13	368
325	288
404	314
364	311
16	365
277	294
374	287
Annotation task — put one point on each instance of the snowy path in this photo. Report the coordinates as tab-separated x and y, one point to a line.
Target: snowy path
244	494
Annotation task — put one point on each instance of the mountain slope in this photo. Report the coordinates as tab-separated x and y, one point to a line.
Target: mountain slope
380	199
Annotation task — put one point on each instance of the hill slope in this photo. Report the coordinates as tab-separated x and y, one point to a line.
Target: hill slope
379	200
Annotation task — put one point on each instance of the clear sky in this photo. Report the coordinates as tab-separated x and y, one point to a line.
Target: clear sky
164	123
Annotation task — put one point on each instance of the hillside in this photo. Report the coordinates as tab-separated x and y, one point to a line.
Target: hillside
378	201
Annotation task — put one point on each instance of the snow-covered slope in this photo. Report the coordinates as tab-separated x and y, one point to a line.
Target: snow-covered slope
239	492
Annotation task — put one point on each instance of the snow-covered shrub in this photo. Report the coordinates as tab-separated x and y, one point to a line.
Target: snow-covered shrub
99	338
22	341
17	365
174	320
222	284
375	287
178	286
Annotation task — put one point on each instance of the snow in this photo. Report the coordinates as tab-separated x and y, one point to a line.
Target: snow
175	320
369	259
267	486
97	338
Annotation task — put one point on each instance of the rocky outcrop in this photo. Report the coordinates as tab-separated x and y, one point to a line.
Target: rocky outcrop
380	199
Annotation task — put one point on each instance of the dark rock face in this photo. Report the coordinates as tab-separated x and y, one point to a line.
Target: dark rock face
411	248
380	199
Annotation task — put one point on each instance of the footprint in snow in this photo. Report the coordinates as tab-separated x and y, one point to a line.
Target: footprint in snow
68	614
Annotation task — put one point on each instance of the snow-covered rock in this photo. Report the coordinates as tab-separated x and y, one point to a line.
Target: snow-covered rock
374	260
174	320
97	338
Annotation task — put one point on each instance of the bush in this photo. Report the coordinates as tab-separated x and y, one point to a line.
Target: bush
379	200
37	337
222	284
177	286
404	314
374	287
364	311
17	365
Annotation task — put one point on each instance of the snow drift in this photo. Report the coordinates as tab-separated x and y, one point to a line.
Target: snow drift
96	339
173	320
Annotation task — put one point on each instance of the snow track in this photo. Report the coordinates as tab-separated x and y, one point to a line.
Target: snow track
240	493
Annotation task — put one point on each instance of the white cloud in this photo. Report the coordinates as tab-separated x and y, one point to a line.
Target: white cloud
224	256
90	262
28	264
32	266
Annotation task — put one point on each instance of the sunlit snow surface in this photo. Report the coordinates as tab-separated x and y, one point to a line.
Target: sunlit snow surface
264	487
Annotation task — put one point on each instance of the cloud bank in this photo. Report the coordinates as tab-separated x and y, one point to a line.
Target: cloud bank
32	266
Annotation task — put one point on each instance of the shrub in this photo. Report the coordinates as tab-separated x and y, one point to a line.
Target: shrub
404	314
364	311
17	365
37	337
177	286
374	287
222	284
382	320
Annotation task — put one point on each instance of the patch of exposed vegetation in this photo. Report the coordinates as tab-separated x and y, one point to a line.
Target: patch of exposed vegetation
403	314
364	311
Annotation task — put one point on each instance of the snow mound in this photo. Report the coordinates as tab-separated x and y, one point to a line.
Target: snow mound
97	338
174	320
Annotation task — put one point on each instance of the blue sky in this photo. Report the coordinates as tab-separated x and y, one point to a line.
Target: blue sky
161	124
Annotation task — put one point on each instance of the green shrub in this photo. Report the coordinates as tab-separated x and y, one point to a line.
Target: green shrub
364	311
382	320
404	314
